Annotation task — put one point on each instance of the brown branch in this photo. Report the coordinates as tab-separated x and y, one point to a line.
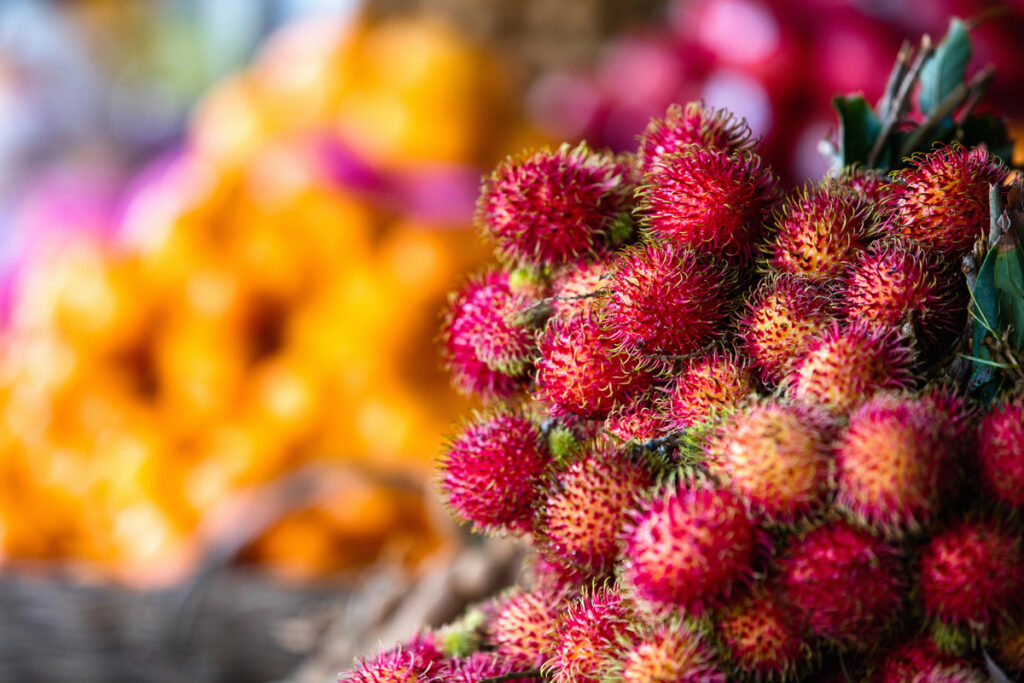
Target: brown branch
978	84
901	100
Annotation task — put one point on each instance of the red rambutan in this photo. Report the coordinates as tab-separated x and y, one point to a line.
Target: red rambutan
688	547
579	522
841	584
707	385
672	653
580	287
922	662
1001	452
847	365
588	639
642	418
777	456
693	124
523	629
896	280
941	198
476	667
487	350
972	574
895	465
708	200
395	665
667	300
819	230
870	184
759	638
580	372
781	320
545	208
490	473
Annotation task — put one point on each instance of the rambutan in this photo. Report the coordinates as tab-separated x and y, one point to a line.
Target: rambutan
687	548
708	200
667	300
476	667
588	638
920	660
545	208
777	456
641	418
819	230
671	653
1009	646
708	384
523	629
395	665
693	124
896	280
841	584
580	520
869	183
580	286
491	471
486	349
1000	453
759	638
580	372
941	198
845	366
782	318
972	574
895	465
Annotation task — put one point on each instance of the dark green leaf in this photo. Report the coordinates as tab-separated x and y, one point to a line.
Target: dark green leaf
984	310
858	128
946	69
1008	278
991	131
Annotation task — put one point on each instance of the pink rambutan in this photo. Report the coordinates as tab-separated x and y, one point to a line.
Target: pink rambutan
921	661
667	300
777	456
941	198
972	574
897	280
782	318
841	584
708	200
1001	452
545	208
580	372
588	639
895	465
395	665
869	183
580	520
641	418
478	666
671	653
687	548
845	366
819	230
708	384
491	472
487	350
580	286
759	638
523	629
693	124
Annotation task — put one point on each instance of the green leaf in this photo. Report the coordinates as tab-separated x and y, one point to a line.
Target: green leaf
1008	278
946	69
984	309
859	127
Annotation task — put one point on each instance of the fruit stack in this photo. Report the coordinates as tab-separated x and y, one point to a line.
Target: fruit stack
747	434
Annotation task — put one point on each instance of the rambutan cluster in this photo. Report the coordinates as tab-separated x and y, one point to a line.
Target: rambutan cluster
724	422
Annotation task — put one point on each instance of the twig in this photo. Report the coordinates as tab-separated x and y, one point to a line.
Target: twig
901	100
952	102
531	673
899	72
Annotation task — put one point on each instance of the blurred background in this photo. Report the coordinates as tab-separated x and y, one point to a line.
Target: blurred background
226	232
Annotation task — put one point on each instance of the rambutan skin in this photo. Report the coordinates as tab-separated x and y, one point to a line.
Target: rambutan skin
665	299
780	321
777	456
972	574
546	208
671	654
687	549
920	660
845	366
641	418
588	637
941	198
523	629
708	200
895	464
476	667
842	584
693	124
759	638
870	184
1000	454
479	337
580	520
580	287
580	372
820	229
708	384
896	280
490	472
390	666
